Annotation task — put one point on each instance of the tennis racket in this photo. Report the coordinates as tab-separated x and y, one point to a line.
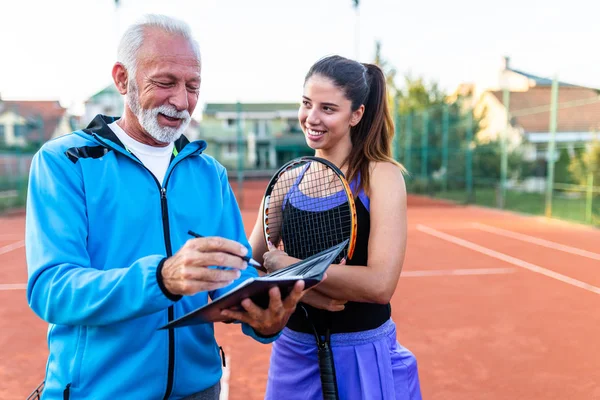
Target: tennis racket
308	207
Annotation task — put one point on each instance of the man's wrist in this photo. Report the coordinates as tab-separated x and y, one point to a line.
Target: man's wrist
161	282
263	336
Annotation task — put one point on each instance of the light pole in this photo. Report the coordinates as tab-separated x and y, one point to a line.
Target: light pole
356	6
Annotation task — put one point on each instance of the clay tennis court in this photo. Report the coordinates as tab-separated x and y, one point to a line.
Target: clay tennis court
494	305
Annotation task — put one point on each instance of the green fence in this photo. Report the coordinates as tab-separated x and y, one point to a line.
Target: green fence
545	162
14	170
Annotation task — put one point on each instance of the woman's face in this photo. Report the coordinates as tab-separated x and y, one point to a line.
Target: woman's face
326	115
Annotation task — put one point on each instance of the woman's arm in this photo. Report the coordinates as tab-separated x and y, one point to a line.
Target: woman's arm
257	239
376	282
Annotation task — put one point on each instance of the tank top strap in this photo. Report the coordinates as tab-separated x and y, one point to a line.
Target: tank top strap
293	190
361	195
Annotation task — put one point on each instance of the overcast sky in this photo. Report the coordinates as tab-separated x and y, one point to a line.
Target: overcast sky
259	50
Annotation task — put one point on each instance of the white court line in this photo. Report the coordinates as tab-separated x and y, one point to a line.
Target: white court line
457	272
12	286
508	259
225	380
12	246
538	241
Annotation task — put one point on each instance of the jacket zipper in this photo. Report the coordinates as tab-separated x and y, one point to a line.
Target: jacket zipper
67	392
167	237
171	316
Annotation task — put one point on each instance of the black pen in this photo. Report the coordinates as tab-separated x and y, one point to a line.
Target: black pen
249	260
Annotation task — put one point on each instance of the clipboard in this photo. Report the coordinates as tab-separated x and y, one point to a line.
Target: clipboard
311	270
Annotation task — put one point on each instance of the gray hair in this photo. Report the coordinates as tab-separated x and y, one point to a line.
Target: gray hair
132	39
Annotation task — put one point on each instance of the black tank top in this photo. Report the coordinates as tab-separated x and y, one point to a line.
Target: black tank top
356	316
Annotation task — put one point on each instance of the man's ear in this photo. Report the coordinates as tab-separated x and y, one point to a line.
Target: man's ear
120	76
357	115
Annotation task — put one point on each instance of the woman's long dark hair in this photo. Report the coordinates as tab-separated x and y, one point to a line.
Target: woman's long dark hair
372	136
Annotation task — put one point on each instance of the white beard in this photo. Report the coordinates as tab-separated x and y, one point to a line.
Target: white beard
148	118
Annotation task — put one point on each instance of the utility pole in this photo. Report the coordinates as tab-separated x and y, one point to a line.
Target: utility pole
356	6
551	147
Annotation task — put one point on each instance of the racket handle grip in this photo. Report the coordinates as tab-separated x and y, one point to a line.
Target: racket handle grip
327	372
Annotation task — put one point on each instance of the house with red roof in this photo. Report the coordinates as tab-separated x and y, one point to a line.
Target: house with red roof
578	112
24	122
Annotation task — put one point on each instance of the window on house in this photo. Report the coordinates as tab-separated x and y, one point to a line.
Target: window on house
20	130
230	123
229	149
2	136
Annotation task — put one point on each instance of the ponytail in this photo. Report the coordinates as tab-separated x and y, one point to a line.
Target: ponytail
372	136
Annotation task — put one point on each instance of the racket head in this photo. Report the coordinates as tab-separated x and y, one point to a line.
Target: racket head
308	207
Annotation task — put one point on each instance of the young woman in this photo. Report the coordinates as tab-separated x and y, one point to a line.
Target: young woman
345	118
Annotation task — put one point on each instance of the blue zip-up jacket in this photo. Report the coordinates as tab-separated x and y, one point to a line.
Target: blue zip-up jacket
99	225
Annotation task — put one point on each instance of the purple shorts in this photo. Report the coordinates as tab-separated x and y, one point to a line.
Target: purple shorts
369	365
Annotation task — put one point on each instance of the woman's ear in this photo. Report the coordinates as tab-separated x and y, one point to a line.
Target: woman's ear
357	115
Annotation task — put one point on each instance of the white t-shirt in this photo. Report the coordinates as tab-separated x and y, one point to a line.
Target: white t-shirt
156	159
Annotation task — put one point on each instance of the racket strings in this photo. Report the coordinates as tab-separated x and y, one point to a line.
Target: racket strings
314	214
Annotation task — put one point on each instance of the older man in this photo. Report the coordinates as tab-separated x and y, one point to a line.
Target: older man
108	254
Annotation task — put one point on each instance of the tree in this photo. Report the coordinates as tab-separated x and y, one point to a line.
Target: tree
562	172
388	69
424	108
428	114
418	95
587	163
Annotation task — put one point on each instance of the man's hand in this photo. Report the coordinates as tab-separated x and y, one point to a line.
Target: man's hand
268	322
187	272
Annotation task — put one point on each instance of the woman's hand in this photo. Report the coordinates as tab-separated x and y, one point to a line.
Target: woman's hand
276	259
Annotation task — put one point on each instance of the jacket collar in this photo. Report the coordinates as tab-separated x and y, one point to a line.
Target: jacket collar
99	127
